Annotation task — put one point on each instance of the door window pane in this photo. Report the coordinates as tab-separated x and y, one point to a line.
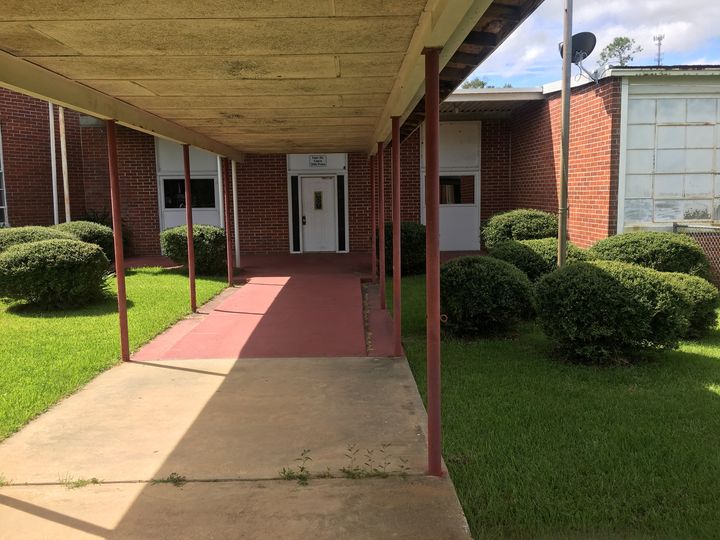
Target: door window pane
203	192
457	189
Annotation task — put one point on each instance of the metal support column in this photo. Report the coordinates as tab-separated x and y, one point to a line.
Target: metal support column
565	135
53	163
373	219
228	229
396	220
381	220
189	221
117	239
236	215
432	257
64	163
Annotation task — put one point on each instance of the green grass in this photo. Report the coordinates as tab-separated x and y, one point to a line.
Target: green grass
541	448
47	355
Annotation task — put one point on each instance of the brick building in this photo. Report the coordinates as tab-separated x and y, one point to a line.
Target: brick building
644	154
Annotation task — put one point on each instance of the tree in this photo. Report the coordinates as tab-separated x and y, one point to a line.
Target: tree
619	52
476	82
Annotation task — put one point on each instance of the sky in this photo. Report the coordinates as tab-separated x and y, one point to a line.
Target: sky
529	57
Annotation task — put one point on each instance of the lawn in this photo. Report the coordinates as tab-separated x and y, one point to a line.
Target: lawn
47	355
541	448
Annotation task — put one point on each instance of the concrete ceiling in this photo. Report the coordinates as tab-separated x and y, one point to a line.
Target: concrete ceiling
234	76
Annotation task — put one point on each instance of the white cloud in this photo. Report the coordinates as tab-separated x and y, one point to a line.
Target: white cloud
690	28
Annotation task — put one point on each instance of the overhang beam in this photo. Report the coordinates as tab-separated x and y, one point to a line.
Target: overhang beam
444	24
27	78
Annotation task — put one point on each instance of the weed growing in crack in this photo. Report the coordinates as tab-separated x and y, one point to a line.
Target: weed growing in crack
302	474
373	466
73	483
403	468
173	478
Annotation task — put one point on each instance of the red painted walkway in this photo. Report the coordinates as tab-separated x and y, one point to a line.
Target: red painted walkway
290	306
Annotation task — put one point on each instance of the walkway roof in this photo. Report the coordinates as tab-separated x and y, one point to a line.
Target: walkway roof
246	76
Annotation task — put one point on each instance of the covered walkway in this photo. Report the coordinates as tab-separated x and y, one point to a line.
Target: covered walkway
288	306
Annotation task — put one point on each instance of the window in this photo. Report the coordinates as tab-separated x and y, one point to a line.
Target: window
3	200
457	189
202	191
671	160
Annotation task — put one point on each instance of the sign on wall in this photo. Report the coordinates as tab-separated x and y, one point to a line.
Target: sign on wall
313	163
317	160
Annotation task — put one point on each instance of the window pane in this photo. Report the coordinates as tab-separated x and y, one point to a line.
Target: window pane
457	189
203	192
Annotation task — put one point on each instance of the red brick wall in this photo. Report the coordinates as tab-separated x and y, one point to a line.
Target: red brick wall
495	145
594	154
359	203
26	157
263	204
138	184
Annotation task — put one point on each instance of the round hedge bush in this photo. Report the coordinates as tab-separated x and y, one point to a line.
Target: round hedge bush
663	251
523	224
53	273
703	298
412	248
208	242
482	295
11	236
92	233
535	257
607	311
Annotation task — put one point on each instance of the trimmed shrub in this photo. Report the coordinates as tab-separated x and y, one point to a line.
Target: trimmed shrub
11	236
703	298
535	257
482	295
53	273
104	217
663	251
523	224
92	233
610	311
412	248
209	244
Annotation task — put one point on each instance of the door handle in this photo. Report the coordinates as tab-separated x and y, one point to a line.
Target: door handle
304	221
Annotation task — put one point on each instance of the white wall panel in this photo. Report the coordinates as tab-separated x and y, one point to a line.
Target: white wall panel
170	158
641	136
641	111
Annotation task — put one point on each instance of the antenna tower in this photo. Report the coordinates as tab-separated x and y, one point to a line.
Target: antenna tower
659	56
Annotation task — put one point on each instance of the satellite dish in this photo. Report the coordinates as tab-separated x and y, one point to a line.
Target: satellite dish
582	45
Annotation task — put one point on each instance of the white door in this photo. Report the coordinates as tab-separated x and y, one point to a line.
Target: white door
318	213
459	185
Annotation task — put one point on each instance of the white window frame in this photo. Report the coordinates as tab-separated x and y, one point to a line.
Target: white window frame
161	193
3	198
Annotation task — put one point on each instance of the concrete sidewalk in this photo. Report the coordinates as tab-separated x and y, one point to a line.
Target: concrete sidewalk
229	427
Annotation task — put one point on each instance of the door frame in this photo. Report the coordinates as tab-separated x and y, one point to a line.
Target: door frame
292	209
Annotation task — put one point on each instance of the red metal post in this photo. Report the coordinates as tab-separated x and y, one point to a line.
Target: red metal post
228	228
381	220
432	257
117	239
373	219
396	220
189	221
